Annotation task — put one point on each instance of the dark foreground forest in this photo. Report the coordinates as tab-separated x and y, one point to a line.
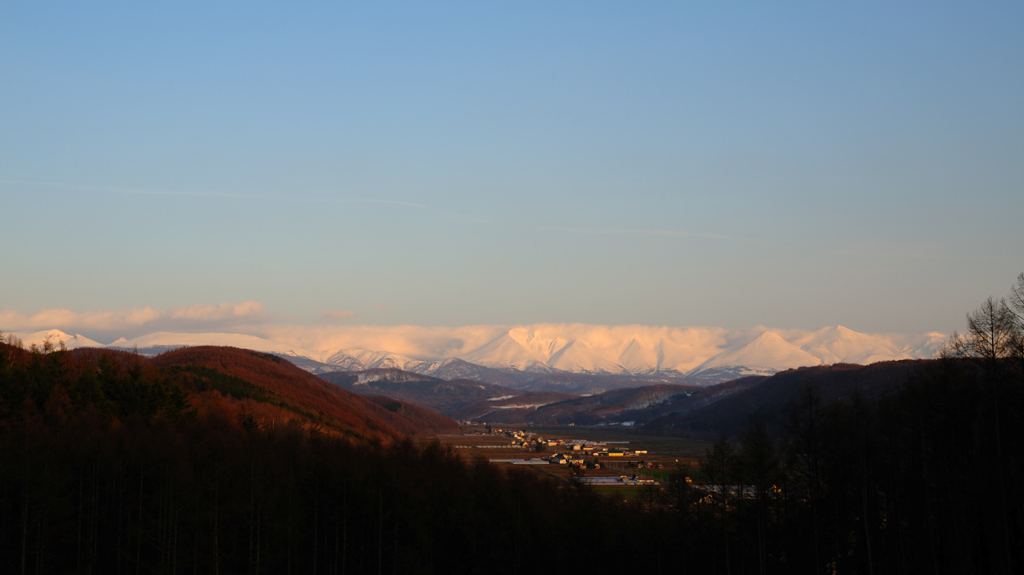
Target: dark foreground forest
103	470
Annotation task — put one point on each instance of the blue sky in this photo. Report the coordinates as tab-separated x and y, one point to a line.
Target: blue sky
792	165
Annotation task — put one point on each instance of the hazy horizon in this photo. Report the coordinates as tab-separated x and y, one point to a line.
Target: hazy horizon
254	318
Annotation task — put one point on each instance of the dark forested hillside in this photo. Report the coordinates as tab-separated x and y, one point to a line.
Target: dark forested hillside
768	399
310	394
207	495
190	382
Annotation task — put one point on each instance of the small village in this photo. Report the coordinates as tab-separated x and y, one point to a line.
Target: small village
592	462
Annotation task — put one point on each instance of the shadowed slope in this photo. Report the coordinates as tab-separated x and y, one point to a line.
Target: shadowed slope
443	396
766	401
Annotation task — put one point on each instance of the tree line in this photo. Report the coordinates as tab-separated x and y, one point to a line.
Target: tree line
924	481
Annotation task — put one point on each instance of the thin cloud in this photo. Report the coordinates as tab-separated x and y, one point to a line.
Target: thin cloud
656	233
203	316
71	187
343	201
248	309
338	314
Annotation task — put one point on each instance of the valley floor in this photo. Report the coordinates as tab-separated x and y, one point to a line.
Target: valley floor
643	457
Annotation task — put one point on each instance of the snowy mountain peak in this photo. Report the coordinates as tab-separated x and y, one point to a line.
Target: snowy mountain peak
579	356
506	351
767	352
841	345
55	337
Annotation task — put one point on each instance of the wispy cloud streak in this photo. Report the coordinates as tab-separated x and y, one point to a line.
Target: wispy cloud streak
206	316
333	315
655	233
137	191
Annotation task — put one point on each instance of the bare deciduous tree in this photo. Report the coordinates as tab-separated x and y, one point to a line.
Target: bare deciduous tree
993	333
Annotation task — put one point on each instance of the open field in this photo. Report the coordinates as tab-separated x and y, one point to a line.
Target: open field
474	445
628	493
478	442
674	447
665	448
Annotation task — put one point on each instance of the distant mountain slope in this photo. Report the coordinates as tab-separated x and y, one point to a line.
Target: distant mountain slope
460	399
767	400
549	380
482	402
630	406
519	408
454	368
442	396
612	407
717	409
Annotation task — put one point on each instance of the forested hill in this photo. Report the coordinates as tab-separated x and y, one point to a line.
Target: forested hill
280	377
252	388
770	399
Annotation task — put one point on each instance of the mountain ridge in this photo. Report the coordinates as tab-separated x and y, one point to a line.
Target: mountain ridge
705	355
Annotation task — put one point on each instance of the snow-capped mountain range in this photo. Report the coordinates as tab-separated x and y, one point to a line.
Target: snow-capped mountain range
549	348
